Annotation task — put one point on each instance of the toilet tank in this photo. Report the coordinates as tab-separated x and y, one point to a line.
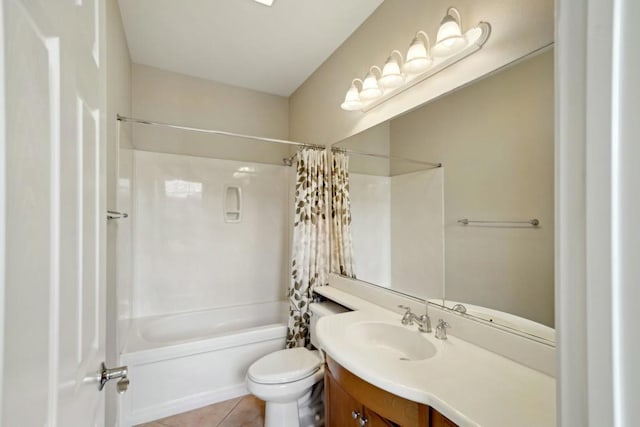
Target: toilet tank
319	309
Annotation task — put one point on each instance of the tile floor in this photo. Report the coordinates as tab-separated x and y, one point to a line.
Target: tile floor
246	411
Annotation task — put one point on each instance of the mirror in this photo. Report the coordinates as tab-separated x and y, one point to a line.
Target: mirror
494	138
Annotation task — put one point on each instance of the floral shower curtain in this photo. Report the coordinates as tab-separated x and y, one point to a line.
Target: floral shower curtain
310	254
341	242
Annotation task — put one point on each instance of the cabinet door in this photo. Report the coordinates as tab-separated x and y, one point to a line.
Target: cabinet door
376	420
439	420
393	409
339	405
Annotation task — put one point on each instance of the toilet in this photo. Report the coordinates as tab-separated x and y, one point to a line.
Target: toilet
285	379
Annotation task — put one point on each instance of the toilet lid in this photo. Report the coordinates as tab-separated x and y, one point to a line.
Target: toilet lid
284	366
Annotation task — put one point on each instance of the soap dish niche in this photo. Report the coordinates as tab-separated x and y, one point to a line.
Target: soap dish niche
232	206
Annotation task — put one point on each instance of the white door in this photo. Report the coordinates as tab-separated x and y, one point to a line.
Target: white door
54	213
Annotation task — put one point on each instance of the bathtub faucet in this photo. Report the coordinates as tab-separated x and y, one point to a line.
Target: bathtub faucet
423	321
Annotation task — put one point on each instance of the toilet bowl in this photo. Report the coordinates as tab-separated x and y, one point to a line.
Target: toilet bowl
284	379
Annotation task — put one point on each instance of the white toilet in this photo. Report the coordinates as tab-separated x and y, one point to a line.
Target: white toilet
284	379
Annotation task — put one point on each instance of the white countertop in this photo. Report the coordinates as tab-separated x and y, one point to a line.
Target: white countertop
469	385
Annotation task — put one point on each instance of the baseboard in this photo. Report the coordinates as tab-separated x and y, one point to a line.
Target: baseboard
185	404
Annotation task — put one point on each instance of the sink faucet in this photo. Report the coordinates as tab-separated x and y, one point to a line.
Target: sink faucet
423	321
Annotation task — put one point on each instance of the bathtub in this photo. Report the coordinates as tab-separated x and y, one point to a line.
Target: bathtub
184	361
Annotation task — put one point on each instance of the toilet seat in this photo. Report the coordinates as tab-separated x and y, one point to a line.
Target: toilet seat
285	366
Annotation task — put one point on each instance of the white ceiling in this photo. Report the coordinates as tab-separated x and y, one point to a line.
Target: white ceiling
241	42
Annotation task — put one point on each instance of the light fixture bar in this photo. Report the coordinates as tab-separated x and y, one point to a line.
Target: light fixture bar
265	2
476	38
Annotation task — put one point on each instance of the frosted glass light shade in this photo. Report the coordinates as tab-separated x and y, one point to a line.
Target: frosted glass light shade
449	39
418	59
392	77
352	100
370	89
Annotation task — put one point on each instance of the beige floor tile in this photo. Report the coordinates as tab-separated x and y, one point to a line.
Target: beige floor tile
209	416
248	413
151	424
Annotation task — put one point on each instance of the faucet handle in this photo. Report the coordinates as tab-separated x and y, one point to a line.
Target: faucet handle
441	329
407	317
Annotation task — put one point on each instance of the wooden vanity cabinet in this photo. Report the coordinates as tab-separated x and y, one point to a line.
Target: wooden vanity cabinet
351	401
439	420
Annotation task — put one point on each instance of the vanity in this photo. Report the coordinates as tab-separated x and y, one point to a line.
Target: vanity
349	400
379	372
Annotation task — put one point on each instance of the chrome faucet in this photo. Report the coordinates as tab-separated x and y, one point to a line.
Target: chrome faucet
423	321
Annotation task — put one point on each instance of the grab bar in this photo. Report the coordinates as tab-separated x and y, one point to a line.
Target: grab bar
534	222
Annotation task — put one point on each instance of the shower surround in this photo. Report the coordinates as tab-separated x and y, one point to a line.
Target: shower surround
186	257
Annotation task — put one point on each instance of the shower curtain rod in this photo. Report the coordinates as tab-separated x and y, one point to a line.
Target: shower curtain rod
215	132
125	119
288	161
384	156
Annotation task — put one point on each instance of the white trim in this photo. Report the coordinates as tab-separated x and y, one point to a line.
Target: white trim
53	46
80	222
185	404
570	258
597	200
616	226
626	231
100	244
3	197
598	176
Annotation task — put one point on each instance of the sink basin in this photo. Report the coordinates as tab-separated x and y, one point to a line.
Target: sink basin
392	341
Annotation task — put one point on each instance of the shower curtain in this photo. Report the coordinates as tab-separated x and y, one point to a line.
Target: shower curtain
341	242
310	254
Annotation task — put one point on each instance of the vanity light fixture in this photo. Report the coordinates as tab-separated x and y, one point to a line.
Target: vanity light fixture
421	62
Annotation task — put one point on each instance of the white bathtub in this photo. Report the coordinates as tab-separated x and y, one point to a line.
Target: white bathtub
184	361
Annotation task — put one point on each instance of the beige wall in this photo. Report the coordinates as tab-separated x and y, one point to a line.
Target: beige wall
417	238
165	96
495	139
373	140
518	27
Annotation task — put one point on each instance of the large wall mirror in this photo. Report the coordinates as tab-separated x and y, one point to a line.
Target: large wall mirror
494	139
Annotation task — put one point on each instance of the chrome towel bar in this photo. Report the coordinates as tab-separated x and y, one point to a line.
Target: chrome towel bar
116	215
533	222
